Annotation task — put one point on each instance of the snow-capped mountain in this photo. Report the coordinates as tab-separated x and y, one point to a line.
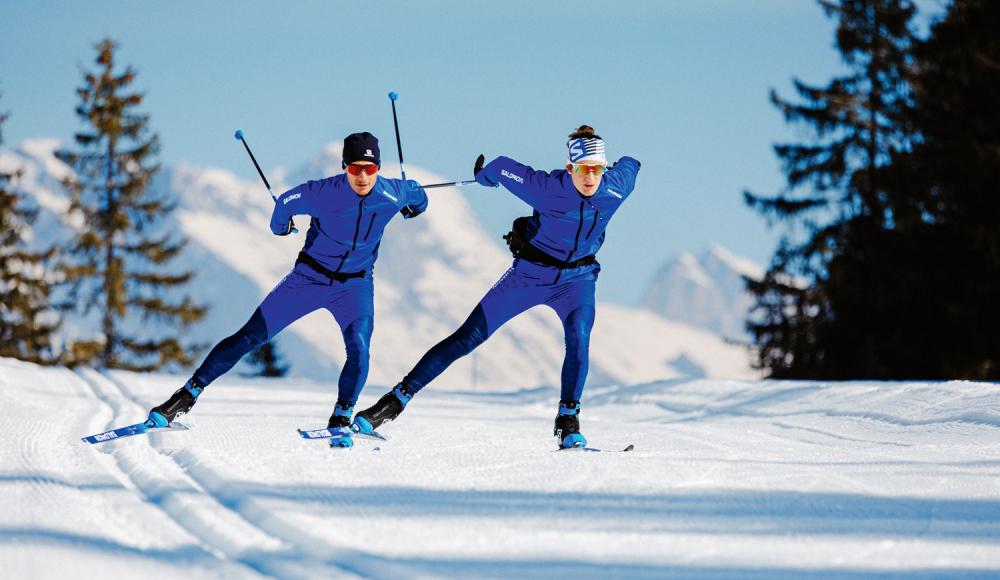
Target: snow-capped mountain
707	292
431	273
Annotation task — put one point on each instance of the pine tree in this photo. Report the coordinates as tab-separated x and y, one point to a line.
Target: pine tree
947	204
118	257
27	322
834	194
268	361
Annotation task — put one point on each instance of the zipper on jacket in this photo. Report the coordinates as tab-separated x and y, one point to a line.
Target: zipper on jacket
370	223
597	215
576	243
357	228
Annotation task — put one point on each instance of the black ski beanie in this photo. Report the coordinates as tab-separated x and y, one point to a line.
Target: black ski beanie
361	147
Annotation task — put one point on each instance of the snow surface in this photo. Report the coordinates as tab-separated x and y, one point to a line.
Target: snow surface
729	479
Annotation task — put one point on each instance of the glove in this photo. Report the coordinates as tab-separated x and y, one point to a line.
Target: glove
409	211
288	230
477	172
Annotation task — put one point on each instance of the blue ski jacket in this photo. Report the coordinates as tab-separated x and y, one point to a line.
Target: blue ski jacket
346	228
570	226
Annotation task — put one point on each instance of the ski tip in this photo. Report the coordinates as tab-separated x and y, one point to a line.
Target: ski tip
393	96
239	134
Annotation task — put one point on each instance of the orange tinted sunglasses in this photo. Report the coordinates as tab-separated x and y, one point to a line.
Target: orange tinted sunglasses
356	169
584	169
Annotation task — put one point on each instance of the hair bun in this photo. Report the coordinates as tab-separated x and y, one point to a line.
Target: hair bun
583	131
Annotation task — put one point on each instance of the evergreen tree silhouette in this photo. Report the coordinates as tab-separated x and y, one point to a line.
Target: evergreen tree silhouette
946	203
268	361
858	122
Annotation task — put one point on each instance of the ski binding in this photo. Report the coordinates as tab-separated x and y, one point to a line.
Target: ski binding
336	433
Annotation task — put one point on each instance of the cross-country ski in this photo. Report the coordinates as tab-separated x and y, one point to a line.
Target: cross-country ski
130	430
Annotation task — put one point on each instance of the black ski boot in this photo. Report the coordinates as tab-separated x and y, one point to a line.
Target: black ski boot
341	416
384	410
178	404
567	428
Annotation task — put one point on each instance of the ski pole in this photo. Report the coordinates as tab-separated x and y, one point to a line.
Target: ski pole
399	146
450	184
239	137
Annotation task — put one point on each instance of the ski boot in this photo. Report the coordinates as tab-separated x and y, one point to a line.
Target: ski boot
567	428
179	403
384	410
340	425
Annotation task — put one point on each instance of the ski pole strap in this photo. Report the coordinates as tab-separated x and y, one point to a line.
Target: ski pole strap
341	277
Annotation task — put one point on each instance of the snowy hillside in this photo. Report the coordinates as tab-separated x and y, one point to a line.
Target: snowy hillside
430	274
706	292
729	479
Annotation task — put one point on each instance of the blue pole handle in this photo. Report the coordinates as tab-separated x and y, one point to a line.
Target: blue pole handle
393	95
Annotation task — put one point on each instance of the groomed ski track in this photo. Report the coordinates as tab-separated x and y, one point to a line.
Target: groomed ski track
729	479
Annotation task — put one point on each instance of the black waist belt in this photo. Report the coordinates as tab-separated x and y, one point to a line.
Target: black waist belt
308	260
532	254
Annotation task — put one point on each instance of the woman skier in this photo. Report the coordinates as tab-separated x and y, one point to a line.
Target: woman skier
554	264
333	271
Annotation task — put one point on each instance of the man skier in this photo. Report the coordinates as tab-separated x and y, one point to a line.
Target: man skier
554	264
333	271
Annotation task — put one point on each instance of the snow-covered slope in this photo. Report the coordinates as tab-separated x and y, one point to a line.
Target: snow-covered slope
431	272
729	479
707	292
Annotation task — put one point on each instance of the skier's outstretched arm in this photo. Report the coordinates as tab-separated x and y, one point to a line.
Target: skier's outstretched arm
622	175
530	185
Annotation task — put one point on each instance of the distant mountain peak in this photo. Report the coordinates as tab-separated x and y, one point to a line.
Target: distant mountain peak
744	266
708	292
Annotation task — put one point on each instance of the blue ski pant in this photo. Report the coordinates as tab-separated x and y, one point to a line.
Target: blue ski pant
523	286
301	292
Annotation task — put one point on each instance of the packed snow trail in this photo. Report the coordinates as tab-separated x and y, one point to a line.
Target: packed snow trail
728	479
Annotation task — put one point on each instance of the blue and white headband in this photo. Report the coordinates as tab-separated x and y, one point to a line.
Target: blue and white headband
586	149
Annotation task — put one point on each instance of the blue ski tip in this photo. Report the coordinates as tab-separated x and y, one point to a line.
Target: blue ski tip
239	134
393	96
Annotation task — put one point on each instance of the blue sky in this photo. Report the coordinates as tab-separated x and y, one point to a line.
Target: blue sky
680	85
